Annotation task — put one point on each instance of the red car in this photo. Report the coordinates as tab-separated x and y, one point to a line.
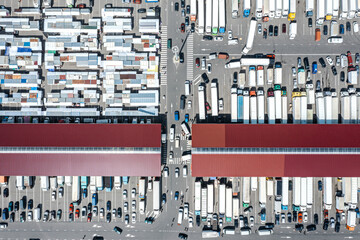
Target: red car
81	6
77	213
197	62
326	214
350	62
183	27
89	217
208	108
71	208
284	28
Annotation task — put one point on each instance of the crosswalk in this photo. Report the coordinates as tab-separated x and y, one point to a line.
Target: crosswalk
163	56
178	161
190	57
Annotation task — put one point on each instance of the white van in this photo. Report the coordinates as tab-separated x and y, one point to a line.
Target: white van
180	216
265	232
233	42
245	231
172	134
212	56
37	215
187	88
185	171
177	142
228	231
335	40
343	61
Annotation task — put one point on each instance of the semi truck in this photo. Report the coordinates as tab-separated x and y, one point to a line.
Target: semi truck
246	192
68	180
197	207
261	106
335	108
272	8
108	183
278	11
246	107
259	9
284	107
278	195
328	10
346	190
309	194
234	107
236	206
201	90
354	195
20	183
270	186
285	194
253	107
251	36
247	7
292	30
285	10
60	180
335	8
222	200
260	76
240	107
214	99
320	12
353	108
262	192
296	108
44	183
203	204
229	208
53	183
301	76
344	9
235	8
345	107
351	220
320	108
117	182
271	107
254	183
4	180
278	73
278	106
266	11
76	190
309	8
28	181
327	193
215	16
292	10
303	107
242	77
156	196
265	61
193	10
222	16
352	9
210	199
303	198
201	16
92	184
270	75
142	188
208	22
296	193
83	182
99	183
310	93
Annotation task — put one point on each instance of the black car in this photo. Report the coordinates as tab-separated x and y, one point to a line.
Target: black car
289	217
108	217
290	185
322	62
89	207
277	219
333	69
30	204
316	218
163	198
271	29
207	37
205	77
181	55
183	236
306	62
117	230
6	192
16	208
342	76
192	29
318	88
348	27
294	216
310	22
108	205
187	21
319	182
176	6
182	3
269	225
325	30
182	102
276	31
338	218
143	10
198	220
12	217
337	227
265	33
236	223
299	227
119	212
326	224
235	77
188	9
311	227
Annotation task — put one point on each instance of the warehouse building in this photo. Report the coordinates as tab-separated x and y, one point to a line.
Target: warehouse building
80	150
232	150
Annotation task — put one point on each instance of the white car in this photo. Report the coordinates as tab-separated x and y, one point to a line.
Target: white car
171	155
53	196
218	38
61	192
126	206
329	60
114	213
259	28
220	222
356	27
177	172
133	205
283	219
95	211
166	171
252	220
203	63
102	213
209	68
133	217
124	194
230	35
305	217
185	171
191	224
30	216
293	69
189	104
221	104
295	83
337	61
133	193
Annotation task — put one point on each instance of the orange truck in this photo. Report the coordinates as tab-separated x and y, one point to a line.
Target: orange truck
3	180
317	35
223	56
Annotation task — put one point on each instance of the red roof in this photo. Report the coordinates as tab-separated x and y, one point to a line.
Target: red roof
275	165
275	136
79	164
80	135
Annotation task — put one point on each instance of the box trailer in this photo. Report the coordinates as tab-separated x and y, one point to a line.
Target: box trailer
328	107
246	192
208	22
247	7
303	197
253	183
262	192
278	73
197	195
204	204
259	9
229	209
271	109
246	107
345	107
201	92
156	196
253	108
252	76
310	192
320	108
222	200
353	108
284	107
335	108
210	198
296	193
44	183
236	206
214	99
240	108
285	194
250	38
261	106
201	16
76	190
234	107
327	193
270	186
